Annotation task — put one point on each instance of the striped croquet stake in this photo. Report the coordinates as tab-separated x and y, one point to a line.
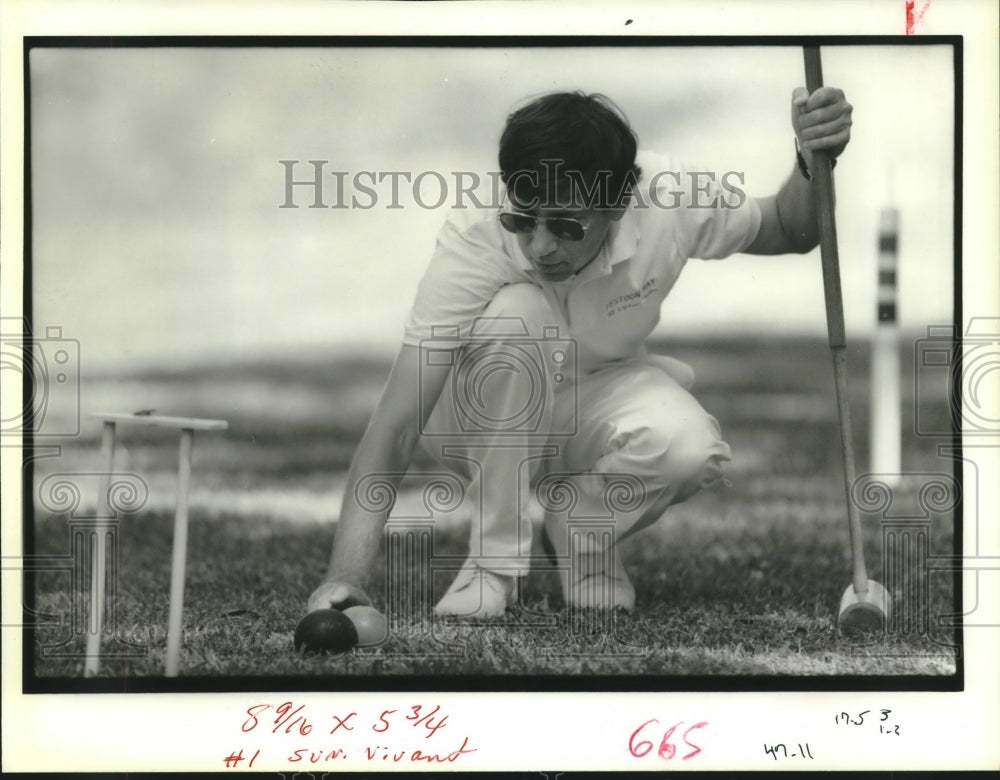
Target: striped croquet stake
885	390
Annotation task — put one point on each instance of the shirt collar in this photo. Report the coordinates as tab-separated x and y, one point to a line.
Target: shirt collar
623	237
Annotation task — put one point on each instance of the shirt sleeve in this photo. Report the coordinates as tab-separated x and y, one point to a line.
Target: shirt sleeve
715	217
468	267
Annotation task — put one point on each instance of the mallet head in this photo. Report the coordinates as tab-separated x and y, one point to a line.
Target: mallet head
864	612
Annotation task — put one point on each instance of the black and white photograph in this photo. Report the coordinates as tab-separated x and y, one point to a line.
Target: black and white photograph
508	364
596	464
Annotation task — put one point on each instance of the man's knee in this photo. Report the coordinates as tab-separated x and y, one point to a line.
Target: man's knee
516	310
696	457
681	459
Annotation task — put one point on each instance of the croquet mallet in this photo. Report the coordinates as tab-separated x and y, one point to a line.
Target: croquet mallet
865	605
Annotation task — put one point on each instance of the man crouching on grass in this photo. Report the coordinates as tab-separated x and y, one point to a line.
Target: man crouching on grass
586	245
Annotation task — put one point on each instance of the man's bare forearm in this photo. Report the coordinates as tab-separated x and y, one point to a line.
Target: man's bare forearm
386	449
796	205
788	219
359	531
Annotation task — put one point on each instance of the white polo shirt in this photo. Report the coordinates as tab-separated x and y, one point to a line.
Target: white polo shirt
612	305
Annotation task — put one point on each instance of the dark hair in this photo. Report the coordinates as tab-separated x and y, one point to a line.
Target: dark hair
568	143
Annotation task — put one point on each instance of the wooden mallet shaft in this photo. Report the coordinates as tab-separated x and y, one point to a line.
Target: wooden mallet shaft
823	174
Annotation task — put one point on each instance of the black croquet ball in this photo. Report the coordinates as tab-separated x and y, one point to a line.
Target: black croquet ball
325	631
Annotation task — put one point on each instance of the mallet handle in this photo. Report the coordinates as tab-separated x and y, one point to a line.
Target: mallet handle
822	172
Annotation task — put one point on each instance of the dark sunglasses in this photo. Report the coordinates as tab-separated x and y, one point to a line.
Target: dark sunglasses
564	228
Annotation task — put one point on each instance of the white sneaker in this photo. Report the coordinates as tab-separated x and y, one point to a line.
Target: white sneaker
593	585
477	593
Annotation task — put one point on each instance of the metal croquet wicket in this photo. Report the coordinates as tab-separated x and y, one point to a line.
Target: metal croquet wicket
187	427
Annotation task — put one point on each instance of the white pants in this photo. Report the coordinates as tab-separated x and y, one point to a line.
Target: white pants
615	446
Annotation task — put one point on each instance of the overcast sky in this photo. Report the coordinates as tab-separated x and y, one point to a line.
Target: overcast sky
158	237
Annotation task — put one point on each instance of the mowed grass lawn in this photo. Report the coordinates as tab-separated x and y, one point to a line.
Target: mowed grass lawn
744	579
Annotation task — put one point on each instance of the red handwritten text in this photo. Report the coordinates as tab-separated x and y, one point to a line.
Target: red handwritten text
378	752
409	722
640	748
288	718
913	19
416	718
